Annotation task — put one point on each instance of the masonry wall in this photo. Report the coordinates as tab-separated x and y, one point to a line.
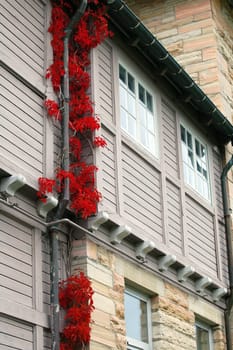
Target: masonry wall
173	310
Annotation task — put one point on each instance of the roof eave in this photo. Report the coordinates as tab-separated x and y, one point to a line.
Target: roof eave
132	27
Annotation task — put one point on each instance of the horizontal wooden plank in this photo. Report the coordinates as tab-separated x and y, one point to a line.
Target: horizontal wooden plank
17	92
198	236
30	8
36	144
109	181
13	296
47	340
146	194
14	242
29	131
24	48
18	265
16	287
15	252
31	43
16	275
132	171
16	228
143	216
33	23
16	152
139	164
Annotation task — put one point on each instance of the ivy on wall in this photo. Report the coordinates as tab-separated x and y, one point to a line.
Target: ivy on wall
90	31
75	292
75	297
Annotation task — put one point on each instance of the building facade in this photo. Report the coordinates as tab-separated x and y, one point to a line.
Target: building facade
157	250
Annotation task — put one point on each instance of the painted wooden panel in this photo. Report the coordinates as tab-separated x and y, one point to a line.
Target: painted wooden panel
169	135
15	334
47	340
22	37
105	81
21	126
217	170
142	193
201	237
174	217
16	266
109	170
223	253
46	274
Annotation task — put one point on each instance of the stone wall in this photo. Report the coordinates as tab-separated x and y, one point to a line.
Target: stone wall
173	310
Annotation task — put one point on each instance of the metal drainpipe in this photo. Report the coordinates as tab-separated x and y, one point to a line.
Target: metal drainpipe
227	216
55	327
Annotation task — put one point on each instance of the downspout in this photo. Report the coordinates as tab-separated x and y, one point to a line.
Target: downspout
63	202
227	217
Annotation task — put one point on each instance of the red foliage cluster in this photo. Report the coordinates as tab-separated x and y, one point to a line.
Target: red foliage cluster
75	297
90	31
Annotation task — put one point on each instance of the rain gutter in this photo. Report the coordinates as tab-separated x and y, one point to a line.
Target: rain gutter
63	202
228	229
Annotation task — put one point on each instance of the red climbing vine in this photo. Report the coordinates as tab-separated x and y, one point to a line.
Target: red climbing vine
90	31
75	298
75	293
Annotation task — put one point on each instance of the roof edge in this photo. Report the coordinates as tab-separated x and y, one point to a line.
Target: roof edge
175	74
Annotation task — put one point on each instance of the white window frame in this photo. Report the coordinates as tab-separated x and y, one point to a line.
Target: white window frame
132	343
150	123
206	327
192	177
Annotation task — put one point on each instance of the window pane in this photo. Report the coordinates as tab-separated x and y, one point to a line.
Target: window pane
123	119
203	153
123	97
122	74
149	101
151	142
131	83
141	93
183	134
203	339
150	119
132	126
189	138
131	105
197	147
142	115
136	318
143	136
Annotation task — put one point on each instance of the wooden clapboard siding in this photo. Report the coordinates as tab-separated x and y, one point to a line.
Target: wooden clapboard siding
15	334
16	262
105	86
142	193
201	236
22	34
217	170
47	340
223	253
109	190
169	135
174	216
46	274
21	127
